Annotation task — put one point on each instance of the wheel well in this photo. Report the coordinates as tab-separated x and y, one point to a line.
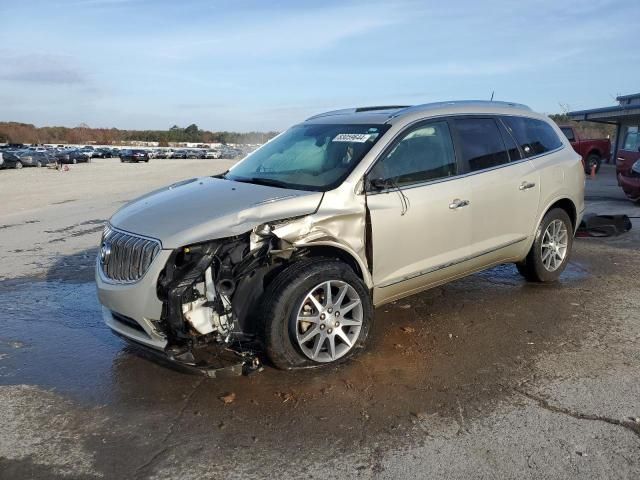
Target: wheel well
568	206
334	252
594	152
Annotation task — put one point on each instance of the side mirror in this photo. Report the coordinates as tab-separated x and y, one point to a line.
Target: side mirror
378	184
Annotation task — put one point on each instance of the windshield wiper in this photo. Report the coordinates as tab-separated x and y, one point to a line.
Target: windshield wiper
269	182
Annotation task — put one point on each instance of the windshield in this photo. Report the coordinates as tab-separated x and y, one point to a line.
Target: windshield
308	157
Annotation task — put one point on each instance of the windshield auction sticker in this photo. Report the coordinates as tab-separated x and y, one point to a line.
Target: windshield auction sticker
352	137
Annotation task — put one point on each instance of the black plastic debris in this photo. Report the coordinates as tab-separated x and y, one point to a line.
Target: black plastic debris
603	225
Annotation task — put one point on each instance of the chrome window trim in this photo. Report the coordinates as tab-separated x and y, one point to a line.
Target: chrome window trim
460	175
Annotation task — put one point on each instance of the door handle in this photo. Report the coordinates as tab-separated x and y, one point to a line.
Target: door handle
457	203
526	185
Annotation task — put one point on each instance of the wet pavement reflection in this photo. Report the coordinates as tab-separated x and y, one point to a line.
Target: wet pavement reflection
445	341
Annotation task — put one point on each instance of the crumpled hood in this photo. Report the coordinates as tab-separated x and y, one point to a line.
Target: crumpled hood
208	208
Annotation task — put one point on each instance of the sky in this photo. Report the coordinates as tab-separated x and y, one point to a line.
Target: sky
266	64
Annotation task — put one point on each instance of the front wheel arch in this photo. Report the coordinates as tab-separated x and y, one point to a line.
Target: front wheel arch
330	249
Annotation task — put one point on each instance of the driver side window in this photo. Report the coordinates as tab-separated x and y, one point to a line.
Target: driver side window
424	153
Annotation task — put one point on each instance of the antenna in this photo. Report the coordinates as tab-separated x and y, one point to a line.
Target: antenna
492	95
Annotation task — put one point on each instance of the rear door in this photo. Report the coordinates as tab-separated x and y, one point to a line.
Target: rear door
505	188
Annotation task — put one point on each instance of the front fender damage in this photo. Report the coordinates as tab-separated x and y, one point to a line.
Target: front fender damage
211	292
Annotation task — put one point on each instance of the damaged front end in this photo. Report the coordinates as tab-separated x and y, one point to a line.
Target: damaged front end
210	292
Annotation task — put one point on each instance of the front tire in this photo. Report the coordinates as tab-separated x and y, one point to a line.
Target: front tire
315	312
551	248
18	165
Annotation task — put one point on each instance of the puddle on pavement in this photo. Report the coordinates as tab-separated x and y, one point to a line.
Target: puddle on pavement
449	351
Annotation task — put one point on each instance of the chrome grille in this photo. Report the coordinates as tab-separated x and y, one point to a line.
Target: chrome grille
124	257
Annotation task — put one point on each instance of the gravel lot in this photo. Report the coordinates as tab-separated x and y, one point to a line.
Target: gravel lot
487	377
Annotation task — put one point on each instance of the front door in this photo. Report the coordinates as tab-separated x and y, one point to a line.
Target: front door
420	212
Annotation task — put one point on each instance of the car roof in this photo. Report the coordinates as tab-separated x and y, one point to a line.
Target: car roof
403	113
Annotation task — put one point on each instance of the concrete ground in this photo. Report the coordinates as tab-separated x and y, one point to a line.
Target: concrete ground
487	377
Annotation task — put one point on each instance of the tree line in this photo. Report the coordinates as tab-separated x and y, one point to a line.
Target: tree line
15	132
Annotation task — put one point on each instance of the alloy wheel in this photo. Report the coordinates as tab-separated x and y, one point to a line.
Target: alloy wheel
329	321
554	245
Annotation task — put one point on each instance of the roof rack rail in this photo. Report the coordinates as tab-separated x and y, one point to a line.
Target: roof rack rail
346	111
342	111
381	107
425	106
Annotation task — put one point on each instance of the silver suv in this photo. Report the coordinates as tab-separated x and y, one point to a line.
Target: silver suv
294	246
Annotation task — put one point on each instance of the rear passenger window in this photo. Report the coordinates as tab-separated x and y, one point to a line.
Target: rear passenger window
512	147
568	132
534	136
481	143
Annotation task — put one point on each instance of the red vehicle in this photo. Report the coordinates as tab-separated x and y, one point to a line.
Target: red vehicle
593	151
628	164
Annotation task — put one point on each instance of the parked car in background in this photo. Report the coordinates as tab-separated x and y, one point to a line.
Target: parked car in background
90	152
179	154
628	162
134	155
231	153
161	154
35	157
62	155
212	154
295	245
11	158
192	154
102	152
593	151
74	156
13	146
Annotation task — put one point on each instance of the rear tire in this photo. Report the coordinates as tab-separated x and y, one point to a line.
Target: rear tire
593	159
38	164
18	165
333	336
74	161
551	249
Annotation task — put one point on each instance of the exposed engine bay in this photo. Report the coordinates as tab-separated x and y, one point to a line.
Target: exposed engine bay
210	293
